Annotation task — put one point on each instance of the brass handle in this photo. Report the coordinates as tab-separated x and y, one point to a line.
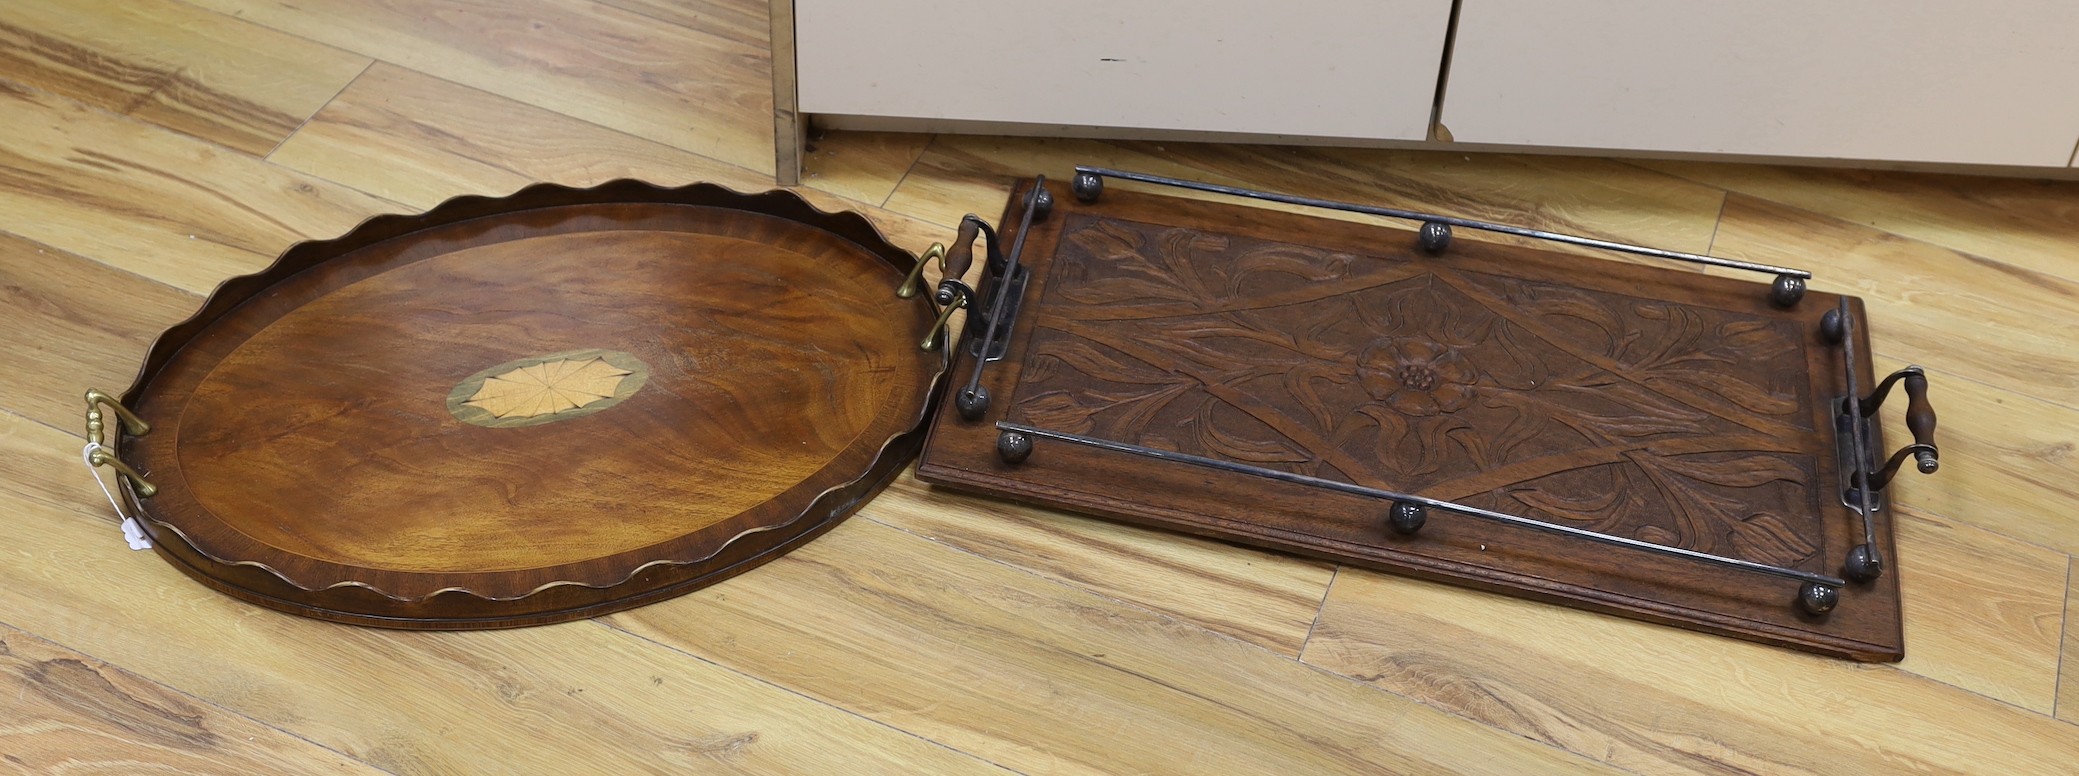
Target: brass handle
936	337
97	436
915	280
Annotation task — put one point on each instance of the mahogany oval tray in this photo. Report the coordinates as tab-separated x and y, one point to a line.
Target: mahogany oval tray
531	409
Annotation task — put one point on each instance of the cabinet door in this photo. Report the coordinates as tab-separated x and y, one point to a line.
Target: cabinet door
1329	68
1911	80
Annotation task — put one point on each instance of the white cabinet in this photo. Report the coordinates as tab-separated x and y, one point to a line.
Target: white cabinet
1902	80
1316	68
1927	82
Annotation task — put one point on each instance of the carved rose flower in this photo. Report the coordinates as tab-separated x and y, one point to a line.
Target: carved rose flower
1416	377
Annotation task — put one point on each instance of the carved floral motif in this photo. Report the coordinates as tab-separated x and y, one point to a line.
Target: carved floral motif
1619	414
1416	377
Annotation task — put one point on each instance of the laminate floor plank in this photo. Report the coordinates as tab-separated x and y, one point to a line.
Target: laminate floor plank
73	324
2031	224
418	140
865	166
1042	677
1952	312
71	713
697	90
744	22
572	698
1264	598
1983	612
151	201
217	78
1654	699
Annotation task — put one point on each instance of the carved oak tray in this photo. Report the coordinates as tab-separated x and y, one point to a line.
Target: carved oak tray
1662	444
529	409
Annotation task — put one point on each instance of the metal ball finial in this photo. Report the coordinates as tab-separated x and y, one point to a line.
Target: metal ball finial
1435	237
972	402
1832	327
1087	187
1864	564
1042	205
1407	517
1787	290
1817	599
1014	447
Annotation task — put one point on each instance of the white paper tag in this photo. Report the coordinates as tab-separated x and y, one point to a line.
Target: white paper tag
132	532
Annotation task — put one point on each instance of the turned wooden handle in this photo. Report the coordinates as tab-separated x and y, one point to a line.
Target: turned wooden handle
1920	419
961	255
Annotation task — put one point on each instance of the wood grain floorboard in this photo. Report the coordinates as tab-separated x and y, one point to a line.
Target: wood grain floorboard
743	22
230	82
82	324
1660	700
1952	312
574	698
865	166
2032	224
69	713
1264	598
2008	460
1983	612
415	139
419	140
1043	677
151	201
696	90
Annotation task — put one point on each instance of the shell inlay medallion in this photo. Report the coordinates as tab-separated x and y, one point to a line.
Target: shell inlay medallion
546	389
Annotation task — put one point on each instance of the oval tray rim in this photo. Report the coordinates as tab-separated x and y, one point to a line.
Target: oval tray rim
890	455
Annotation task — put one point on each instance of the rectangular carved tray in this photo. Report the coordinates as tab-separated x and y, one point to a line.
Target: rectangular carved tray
1639	440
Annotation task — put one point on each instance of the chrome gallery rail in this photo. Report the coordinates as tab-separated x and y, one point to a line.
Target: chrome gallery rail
1435	237
1015	445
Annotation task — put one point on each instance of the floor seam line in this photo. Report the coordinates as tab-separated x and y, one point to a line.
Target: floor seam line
1318	610
907	170
269	156
2064	638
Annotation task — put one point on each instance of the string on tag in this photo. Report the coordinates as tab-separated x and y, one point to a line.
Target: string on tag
132	532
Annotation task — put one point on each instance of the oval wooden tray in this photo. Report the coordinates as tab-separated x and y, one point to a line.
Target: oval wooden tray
532	409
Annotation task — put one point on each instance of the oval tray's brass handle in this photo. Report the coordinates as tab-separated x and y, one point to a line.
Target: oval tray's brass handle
936	337
97	437
915	279
1920	419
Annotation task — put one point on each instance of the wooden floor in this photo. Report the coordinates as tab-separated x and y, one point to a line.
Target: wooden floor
151	148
